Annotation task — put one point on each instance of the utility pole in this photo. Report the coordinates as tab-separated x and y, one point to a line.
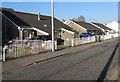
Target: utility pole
52	12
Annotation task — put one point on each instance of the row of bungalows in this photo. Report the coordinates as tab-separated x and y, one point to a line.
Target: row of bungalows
103	27
24	26
88	27
82	27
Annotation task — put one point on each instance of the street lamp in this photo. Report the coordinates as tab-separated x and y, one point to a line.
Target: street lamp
52	12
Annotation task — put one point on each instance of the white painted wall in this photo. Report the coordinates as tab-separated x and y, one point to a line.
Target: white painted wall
114	25
75	26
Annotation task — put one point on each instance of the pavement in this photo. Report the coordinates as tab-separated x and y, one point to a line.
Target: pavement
18	63
113	74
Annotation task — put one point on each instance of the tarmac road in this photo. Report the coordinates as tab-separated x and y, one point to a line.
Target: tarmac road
91	64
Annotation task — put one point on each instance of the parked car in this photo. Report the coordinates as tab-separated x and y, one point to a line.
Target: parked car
101	33
42	37
85	35
91	34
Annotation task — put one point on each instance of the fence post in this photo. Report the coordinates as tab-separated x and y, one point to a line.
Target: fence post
89	40
68	42
55	45
4	50
72	40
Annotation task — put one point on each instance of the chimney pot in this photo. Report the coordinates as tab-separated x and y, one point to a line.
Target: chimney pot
38	16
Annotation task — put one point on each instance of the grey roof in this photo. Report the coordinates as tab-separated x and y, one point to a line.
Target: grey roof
87	26
28	20
102	26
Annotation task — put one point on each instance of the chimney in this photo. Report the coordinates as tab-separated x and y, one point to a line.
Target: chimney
38	16
63	20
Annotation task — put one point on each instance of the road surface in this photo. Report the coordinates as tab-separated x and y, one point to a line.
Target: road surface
91	64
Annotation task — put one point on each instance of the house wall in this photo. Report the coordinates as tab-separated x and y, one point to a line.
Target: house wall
9	31
39	33
95	31
114	25
77	28
77	35
66	35
98	27
27	34
20	34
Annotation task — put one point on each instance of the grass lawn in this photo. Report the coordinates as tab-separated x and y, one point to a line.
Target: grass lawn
20	51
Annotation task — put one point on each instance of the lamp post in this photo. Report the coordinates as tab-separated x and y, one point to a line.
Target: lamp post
52	12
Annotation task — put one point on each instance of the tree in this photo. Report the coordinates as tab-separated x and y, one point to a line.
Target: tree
79	19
